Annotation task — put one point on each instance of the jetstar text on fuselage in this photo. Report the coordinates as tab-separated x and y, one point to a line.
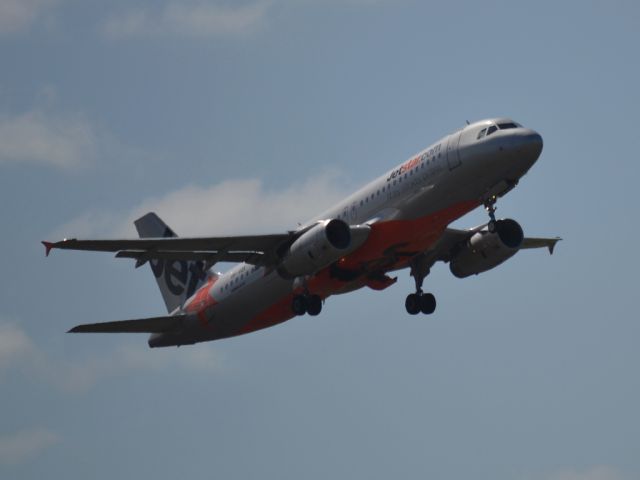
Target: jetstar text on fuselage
414	162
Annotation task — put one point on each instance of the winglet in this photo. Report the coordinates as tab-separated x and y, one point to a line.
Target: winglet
552	245
47	247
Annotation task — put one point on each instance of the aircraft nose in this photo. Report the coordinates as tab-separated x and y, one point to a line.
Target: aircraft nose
529	144
532	143
520	149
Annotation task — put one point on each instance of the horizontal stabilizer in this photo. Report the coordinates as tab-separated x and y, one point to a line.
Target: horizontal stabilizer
141	325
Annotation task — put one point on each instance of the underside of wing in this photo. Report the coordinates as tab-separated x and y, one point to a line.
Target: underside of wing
142	256
209	244
142	325
253	249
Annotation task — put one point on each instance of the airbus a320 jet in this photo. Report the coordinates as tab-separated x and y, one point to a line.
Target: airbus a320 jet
398	221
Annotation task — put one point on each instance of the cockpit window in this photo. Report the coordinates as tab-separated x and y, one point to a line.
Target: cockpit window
505	126
491	129
481	133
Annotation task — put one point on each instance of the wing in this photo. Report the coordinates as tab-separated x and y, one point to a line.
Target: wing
142	325
453	239
255	249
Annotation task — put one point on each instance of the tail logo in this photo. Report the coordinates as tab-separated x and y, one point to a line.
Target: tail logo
180	276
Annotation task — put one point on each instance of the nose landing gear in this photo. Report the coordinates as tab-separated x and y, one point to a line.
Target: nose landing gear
490	207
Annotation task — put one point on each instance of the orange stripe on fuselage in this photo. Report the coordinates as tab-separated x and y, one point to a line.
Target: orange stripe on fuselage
385	242
202	301
277	313
403	236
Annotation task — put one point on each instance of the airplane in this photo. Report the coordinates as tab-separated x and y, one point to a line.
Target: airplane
398	221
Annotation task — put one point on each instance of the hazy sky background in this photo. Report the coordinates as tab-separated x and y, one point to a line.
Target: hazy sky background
237	117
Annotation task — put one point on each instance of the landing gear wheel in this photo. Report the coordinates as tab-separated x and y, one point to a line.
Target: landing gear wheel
427	303
299	305
412	304
314	305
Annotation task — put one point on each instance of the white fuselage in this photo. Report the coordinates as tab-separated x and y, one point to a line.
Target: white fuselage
408	207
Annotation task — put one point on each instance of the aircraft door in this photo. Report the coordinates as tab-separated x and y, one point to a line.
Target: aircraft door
453	155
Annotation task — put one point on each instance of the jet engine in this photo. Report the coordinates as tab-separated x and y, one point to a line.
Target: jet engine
320	246
486	250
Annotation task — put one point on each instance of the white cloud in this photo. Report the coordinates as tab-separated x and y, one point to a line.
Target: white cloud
188	19
15	345
36	136
78	376
19	353
25	444
232	207
228	208
18	15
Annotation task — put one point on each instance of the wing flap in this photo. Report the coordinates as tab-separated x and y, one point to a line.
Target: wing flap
141	325
143	256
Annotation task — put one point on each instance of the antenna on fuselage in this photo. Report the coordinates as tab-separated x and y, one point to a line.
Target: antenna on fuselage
467	122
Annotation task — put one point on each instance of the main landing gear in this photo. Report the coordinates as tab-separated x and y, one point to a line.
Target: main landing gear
420	301
311	304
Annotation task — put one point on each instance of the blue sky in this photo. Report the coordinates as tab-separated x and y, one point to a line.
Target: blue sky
251	116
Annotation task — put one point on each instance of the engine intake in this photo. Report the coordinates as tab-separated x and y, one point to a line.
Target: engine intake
338	234
320	246
486	250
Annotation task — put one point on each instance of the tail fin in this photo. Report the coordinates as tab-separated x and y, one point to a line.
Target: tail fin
178	279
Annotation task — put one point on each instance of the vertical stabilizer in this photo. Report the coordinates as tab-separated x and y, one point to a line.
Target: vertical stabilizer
178	279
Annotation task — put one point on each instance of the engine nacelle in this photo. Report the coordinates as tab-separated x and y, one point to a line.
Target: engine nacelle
320	246
486	250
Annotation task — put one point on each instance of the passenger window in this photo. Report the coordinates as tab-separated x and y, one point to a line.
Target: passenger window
491	129
481	133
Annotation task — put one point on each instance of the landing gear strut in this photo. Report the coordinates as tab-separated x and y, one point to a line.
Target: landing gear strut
490	207
420	301
311	304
